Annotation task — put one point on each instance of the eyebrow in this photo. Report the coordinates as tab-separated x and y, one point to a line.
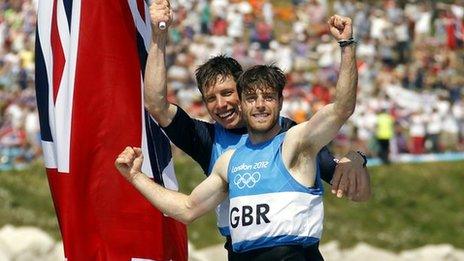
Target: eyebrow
268	93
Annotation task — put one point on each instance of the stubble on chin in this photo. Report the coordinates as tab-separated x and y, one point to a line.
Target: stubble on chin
261	128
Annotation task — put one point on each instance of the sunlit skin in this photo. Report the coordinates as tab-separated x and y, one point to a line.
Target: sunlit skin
261	108
223	103
228	106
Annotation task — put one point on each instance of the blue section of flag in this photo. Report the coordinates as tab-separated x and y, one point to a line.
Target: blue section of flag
41	87
159	148
142	53
68	9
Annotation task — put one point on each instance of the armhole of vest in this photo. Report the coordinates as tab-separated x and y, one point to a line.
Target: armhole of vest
283	169
213	150
229	164
318	182
316	189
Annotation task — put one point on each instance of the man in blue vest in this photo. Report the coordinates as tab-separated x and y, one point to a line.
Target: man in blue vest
268	226
216	80
204	141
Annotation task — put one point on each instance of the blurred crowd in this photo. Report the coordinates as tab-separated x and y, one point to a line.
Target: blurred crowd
410	62
19	124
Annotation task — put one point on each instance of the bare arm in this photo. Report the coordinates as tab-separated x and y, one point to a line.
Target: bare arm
185	208
348	176
155	90
324	125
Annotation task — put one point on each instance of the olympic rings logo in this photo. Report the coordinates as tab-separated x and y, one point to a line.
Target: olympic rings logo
247	180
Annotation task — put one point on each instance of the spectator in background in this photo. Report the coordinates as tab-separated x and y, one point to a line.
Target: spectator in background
384	133
268	13
450	132
419	44
434	128
400	143
417	133
402	40
205	18
13	146
262	33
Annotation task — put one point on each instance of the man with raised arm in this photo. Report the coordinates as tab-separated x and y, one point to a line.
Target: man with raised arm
272	180
204	141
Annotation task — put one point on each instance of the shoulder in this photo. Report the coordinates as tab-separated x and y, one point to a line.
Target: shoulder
292	142
182	116
226	156
224	160
222	164
295	129
183	123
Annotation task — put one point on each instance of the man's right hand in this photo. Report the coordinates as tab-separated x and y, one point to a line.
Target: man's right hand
155	80
160	11
129	163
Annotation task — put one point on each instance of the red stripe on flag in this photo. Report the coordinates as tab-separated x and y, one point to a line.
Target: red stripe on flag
101	215
58	54
63	194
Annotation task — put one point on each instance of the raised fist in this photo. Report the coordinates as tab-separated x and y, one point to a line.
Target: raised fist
340	27
160	11
129	162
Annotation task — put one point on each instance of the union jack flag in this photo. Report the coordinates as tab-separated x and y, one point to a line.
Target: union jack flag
90	60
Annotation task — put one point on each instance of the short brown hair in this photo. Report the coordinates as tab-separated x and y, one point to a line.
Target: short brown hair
218	67
262	77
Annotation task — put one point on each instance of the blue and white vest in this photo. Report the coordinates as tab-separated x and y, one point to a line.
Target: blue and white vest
223	141
268	207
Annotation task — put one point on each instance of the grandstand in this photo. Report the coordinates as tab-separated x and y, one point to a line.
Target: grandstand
410	62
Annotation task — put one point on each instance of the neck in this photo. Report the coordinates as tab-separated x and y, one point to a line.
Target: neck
240	125
259	137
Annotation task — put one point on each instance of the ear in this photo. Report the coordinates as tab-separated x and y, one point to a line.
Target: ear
281	101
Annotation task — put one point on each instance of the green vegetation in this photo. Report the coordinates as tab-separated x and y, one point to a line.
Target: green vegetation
25	200
412	205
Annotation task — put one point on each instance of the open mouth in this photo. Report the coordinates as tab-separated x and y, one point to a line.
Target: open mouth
226	115
260	116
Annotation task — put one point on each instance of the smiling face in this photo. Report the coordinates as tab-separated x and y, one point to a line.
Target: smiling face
260	89
223	103
261	109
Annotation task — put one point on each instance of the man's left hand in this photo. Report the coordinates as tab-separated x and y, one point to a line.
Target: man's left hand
341	27
351	179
